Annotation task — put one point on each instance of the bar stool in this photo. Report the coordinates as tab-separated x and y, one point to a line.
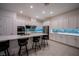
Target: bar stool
36	43
23	42
44	40
4	45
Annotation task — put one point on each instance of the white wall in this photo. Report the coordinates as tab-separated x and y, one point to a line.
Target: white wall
67	20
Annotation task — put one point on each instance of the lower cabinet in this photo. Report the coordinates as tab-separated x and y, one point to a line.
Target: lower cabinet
69	40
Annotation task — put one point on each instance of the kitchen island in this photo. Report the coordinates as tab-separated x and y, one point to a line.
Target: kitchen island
14	48
14	37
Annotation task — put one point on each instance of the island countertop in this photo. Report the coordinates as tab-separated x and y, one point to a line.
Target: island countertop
14	37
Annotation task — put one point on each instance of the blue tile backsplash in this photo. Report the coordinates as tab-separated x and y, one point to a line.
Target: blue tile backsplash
37	29
68	30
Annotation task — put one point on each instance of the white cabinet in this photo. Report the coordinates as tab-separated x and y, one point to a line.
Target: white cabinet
77	41
77	21
6	25
72	22
71	40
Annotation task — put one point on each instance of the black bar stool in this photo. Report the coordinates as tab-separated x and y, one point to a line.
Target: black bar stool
44	40
23	42
4	45
36	43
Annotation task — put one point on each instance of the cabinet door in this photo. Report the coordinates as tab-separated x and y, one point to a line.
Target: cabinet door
0	26
72	22
77	23
6	26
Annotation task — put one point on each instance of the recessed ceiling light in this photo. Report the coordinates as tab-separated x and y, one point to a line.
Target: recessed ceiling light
37	16
21	11
43	12
31	6
51	12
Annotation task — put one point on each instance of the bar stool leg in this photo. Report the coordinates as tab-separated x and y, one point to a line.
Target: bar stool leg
27	50
39	45
35	47
8	52
19	51
47	42
44	43
32	45
5	53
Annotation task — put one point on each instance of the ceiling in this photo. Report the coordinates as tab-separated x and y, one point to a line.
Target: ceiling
38	8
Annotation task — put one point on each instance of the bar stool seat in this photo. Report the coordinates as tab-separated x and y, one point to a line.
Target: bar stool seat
4	45
23	42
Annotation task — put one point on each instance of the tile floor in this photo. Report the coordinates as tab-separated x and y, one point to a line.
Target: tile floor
56	49
53	49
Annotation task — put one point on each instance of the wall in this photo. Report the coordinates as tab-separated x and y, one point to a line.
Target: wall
8	26
66	20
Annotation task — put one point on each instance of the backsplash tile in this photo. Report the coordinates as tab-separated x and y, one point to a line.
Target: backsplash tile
67	30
